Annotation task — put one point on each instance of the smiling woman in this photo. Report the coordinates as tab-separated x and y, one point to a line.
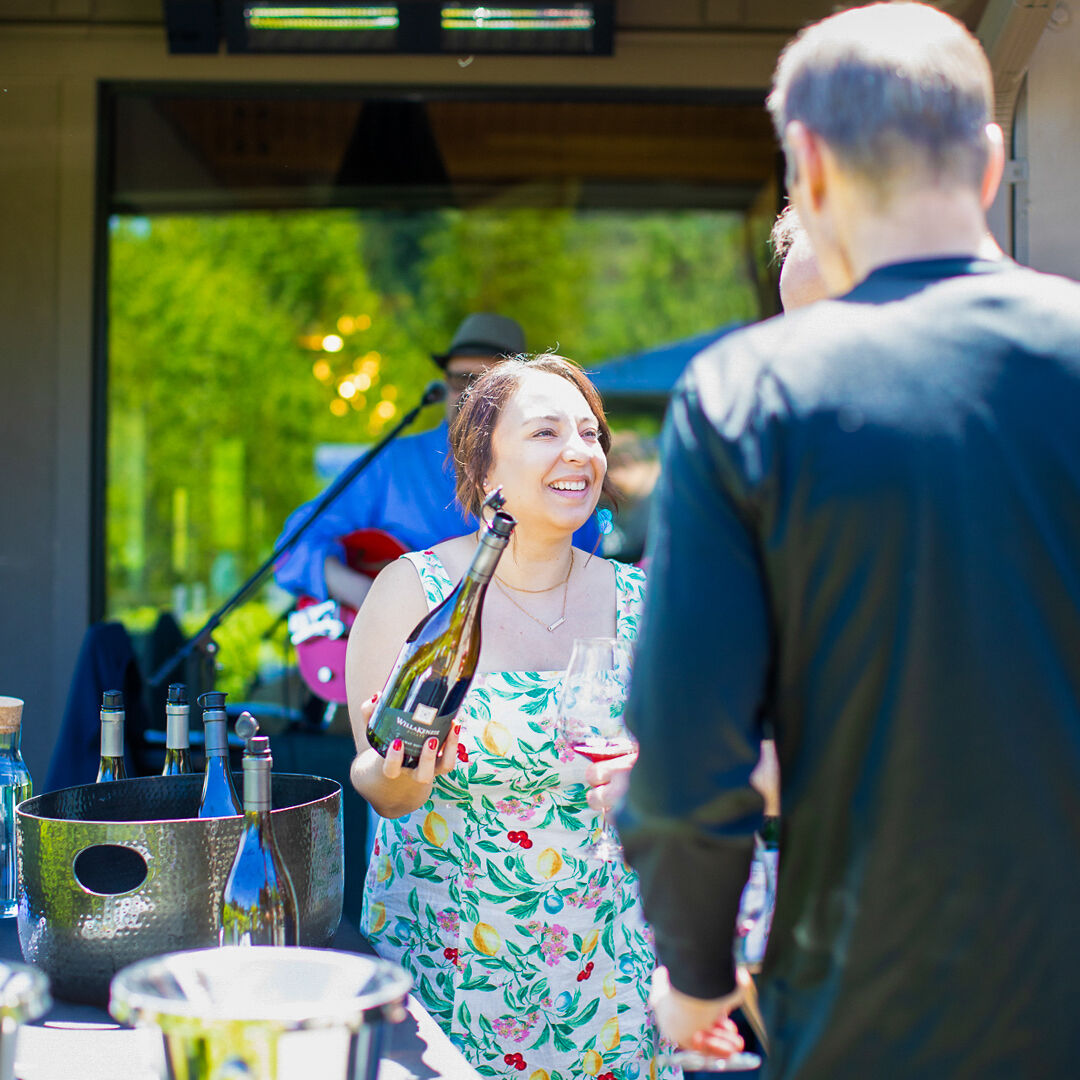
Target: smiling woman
534	958
539	414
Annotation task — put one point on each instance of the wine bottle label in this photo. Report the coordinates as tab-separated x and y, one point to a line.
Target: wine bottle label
425	714
414	728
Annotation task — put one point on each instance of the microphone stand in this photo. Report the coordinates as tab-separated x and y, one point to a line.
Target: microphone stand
202	639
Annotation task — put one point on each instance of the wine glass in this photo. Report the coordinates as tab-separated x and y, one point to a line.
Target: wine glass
590	716
751	933
696	1061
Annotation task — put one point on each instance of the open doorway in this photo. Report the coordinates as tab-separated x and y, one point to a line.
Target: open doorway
281	266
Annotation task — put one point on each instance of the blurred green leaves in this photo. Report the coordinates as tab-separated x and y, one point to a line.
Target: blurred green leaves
219	389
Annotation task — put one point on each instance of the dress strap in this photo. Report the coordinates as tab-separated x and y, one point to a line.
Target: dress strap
433	576
629	598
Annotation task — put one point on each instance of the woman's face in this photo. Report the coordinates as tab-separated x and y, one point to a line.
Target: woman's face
546	454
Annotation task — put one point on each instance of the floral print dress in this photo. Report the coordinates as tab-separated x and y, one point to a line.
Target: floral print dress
534	960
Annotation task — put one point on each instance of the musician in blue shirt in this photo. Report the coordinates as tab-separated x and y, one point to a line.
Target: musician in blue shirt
408	490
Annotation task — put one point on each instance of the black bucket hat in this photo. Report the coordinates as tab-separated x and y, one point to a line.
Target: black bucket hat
484	334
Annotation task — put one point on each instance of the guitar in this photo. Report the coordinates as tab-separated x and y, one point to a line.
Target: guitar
319	629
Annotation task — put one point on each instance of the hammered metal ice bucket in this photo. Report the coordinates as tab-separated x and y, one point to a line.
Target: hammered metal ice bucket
24	995
264	1013
112	873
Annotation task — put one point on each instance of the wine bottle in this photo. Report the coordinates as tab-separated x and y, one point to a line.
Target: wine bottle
15	785
258	906
111	766
219	798
759	896
435	667
177	754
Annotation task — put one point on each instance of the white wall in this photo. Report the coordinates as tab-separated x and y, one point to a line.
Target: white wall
1049	137
46	191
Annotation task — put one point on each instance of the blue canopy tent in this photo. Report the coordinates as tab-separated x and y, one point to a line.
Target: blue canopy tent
645	379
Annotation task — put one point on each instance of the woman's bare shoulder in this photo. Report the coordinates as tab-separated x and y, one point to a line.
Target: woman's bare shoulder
595	566
393	606
396	593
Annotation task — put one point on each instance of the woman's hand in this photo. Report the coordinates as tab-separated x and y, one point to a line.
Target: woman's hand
391	771
608	781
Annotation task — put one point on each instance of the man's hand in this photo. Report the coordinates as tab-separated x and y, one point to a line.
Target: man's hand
695	1024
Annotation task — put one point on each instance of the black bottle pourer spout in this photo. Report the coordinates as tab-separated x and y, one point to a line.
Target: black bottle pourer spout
501	523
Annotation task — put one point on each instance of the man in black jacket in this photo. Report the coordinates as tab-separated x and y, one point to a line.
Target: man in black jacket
868	530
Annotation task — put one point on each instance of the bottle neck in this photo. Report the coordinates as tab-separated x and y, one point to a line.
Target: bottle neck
256	785
176	727
468	595
215	735
9	741
770	831
112	734
485	559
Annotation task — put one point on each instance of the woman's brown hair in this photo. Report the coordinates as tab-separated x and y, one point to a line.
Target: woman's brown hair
472	429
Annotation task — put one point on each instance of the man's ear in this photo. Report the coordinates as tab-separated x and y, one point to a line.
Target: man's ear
995	165
805	163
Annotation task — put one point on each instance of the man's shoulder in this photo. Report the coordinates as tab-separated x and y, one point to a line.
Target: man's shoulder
1023	309
737	352
736	363
1038	289
832	328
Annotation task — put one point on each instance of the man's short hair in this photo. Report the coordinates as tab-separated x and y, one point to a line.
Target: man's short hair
787	228
890	86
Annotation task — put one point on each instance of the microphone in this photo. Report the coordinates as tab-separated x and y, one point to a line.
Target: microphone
434	393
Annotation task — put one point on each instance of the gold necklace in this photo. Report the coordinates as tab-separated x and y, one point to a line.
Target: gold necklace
540	622
536	592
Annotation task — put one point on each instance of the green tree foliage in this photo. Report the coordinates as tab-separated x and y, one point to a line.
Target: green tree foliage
524	263
212	385
656	278
220	388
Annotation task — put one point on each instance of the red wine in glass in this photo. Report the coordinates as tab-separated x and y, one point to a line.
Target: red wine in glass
600	750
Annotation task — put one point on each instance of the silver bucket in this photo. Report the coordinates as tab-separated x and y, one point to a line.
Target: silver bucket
261	1013
112	873
24	995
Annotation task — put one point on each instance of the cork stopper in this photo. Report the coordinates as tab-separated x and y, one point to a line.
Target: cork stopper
10	714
